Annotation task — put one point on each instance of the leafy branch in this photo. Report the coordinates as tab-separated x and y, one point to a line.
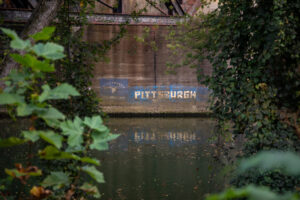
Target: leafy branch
28	95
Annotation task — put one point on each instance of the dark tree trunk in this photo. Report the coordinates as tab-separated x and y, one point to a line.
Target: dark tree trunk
42	16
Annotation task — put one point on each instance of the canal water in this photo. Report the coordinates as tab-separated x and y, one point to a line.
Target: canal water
161	158
153	159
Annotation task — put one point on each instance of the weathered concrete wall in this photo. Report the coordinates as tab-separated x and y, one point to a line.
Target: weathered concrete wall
135	79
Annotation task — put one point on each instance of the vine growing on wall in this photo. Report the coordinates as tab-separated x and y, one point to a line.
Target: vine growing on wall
253	47
77	68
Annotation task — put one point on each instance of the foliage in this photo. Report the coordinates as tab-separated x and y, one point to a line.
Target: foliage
252	193
64	143
253	47
286	162
77	68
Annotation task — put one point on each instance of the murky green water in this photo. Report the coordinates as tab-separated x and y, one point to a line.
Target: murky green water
154	158
9	156
161	158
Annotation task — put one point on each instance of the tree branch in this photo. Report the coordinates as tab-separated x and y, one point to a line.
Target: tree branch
42	16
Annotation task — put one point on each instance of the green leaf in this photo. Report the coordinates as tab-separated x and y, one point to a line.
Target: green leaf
288	162
72	127
49	50
52	138
47	113
16	76
7	98
101	146
94	173
90	189
250	193
52	153
20	59
100	140
75	140
56	179
50	113
32	62
228	194
25	109
45	93
90	160
31	135
16	42
20	44
261	193
110	137
63	91
74	149
95	122
74	131
44	34
10	33
54	123
11	141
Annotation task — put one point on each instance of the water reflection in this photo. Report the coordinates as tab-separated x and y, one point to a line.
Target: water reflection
16	154
160	158
154	158
174	138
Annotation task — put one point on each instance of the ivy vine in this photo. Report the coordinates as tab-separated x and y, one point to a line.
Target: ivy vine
253	48
77	68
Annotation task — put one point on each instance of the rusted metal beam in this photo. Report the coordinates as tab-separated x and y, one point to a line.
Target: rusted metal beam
177	7
15	15
105	4
156	7
21	16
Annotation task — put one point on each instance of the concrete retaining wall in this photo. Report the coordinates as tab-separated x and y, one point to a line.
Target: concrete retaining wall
135	79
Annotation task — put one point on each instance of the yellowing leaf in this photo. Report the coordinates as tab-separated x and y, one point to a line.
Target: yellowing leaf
90	189
39	192
52	153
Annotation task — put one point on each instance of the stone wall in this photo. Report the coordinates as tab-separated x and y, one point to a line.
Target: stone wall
135	79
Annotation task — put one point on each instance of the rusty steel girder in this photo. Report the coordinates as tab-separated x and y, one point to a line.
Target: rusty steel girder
21	16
